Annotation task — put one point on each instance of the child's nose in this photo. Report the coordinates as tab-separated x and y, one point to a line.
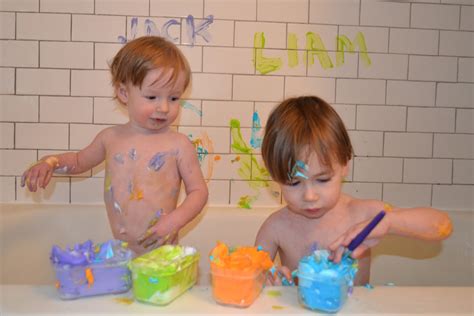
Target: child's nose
163	106
310	194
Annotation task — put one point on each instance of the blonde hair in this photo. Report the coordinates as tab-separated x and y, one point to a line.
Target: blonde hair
298	127
137	57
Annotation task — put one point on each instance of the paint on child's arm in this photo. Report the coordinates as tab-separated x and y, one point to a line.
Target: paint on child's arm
387	207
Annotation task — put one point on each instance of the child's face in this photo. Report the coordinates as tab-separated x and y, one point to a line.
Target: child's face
317	191
152	106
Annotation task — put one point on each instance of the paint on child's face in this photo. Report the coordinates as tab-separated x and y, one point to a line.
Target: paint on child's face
297	171
317	192
157	161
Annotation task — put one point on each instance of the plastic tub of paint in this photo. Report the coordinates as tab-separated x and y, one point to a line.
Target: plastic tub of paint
91	269
322	284
238	274
236	288
163	274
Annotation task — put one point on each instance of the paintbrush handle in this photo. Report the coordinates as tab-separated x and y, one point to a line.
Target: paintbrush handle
366	231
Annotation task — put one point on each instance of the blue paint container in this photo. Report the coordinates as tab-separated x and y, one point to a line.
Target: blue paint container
324	285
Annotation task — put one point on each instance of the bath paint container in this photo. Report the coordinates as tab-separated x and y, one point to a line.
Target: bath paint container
324	285
238	274
163	274
90	269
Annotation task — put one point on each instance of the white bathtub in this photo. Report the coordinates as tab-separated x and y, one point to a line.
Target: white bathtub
28	231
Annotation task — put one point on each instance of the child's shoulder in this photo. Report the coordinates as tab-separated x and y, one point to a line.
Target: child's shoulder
370	206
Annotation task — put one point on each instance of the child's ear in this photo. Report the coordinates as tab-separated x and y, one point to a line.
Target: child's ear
121	92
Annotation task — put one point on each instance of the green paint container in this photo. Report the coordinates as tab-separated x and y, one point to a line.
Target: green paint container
163	274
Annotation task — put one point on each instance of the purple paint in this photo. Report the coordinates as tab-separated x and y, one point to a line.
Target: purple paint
157	161
87	269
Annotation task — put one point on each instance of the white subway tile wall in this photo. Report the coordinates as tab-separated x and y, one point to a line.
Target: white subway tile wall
400	74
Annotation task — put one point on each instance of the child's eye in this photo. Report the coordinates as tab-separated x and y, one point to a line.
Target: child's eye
324	180
293	183
174	99
151	97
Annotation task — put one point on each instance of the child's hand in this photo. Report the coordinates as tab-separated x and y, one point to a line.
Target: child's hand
158	231
276	274
39	174
338	247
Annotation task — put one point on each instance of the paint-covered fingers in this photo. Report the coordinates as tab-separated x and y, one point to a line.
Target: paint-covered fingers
150	239
37	176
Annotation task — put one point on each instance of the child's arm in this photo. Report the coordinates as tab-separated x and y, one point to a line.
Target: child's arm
40	173
421	222
267	239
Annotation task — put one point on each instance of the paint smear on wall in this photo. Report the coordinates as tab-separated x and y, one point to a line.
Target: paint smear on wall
189	106
249	168
256	139
204	146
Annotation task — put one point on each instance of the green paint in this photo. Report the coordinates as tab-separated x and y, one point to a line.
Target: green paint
263	64
274	293
315	46
246	201
292	50
343	42
249	166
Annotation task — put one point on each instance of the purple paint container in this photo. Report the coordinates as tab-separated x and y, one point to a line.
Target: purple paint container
89	269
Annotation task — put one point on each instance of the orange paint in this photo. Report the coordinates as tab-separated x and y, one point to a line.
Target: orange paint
445	229
136	195
57	284
217	158
387	207
89	277
238	276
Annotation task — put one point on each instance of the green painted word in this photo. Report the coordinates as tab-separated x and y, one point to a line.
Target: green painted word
314	47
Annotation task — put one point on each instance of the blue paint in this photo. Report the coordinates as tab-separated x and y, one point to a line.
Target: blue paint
119	158
324	285
192	107
297	170
255	140
157	161
200	29
132	154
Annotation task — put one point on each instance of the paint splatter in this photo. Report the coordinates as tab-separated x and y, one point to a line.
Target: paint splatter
89	277
255	139
191	107
273	293
124	300
132	154
278	307
204	146
119	158
157	161
369	286
246	201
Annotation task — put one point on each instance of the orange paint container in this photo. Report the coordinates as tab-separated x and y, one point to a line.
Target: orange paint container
236	288
238	274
